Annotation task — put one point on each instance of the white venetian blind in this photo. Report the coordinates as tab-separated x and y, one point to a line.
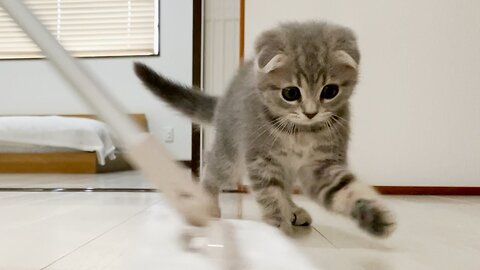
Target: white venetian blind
87	28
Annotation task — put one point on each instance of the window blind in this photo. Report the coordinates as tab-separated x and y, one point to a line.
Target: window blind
87	28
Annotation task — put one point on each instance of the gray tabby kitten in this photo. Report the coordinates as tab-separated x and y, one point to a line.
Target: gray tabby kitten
285	117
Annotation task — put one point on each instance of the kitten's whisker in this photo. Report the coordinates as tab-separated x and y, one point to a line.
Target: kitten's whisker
265	127
326	125
338	133
337	120
291	130
330	130
260	130
279	123
340	118
279	133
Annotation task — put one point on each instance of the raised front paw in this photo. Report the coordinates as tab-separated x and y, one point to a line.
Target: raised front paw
280	223
300	217
373	217
215	211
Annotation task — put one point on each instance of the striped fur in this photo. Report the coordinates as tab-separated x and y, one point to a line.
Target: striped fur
272	140
194	104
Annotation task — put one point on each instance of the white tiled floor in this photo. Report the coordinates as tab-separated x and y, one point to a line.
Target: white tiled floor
127	179
99	230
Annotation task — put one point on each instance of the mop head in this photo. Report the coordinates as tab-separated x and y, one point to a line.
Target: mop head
249	245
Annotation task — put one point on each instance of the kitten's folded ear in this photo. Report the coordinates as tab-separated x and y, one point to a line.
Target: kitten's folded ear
267	64
342	57
268	52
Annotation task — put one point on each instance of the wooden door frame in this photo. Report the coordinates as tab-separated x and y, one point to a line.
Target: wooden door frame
242	30
196	80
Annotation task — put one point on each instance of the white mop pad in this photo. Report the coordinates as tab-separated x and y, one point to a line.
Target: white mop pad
151	241
259	246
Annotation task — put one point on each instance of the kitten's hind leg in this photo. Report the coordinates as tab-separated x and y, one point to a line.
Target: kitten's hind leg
218	172
335	187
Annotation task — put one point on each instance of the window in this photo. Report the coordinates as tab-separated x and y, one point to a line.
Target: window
87	28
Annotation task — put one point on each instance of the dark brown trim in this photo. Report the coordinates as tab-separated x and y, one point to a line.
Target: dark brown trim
423	190
401	190
196	79
186	163
242	30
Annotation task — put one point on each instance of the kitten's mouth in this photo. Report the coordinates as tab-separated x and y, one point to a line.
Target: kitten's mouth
318	119
309	123
293	125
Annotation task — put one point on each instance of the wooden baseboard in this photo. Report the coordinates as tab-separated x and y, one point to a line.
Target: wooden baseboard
402	190
81	162
121	164
69	163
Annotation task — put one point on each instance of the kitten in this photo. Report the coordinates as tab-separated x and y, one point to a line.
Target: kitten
285	117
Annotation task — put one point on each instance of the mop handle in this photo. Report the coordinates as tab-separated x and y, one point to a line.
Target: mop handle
142	149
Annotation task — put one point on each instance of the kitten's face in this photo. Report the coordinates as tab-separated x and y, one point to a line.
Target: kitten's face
305	73
307	91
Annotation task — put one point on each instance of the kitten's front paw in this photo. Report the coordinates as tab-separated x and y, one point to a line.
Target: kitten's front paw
215	211
284	226
300	217
373	217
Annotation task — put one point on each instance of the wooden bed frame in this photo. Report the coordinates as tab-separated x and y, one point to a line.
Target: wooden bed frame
65	162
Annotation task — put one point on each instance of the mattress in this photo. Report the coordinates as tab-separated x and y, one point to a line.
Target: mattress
46	134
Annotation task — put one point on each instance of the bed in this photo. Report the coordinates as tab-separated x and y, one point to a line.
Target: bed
20	156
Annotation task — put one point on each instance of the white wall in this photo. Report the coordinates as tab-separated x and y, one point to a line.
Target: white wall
222	49
33	87
221	53
416	112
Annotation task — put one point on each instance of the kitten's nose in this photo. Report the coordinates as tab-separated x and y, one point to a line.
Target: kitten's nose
310	115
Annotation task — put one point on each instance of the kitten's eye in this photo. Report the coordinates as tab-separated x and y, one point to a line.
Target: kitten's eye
329	91
291	93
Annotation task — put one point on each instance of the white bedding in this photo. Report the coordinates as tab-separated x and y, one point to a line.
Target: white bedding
40	134
9	147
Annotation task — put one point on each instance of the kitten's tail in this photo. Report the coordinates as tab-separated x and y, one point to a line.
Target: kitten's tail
193	103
